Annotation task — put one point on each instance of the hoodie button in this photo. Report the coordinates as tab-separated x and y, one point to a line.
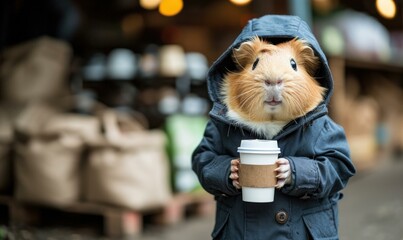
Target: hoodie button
281	217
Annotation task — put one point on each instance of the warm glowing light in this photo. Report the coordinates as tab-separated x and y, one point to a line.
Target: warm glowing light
149	4
387	8
170	7
240	2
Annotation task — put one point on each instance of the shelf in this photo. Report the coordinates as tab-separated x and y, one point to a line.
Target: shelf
371	65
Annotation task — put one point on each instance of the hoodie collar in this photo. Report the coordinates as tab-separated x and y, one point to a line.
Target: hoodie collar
219	111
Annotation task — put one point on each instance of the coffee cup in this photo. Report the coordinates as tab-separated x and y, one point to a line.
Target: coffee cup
257	169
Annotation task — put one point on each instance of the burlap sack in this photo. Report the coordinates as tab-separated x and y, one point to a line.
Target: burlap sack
47	169
35	70
129	170
48	154
40	119
88	128
33	118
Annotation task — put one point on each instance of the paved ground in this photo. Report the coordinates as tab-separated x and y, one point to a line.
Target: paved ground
373	205
372	209
193	229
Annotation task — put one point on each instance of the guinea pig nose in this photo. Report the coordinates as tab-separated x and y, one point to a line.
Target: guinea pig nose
273	82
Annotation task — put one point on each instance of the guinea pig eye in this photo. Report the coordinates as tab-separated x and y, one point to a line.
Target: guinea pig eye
255	63
293	64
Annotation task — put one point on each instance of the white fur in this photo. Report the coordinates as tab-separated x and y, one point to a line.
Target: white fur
267	129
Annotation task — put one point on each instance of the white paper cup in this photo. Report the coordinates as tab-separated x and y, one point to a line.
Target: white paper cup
258	152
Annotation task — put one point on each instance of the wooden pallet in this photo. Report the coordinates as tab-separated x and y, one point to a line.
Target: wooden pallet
117	222
184	204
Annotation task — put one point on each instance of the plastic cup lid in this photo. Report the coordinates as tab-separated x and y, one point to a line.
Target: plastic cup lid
258	145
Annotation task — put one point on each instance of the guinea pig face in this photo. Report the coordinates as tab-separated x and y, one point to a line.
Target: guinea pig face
274	83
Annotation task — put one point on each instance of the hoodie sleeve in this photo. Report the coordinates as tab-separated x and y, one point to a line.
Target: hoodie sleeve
328	171
212	167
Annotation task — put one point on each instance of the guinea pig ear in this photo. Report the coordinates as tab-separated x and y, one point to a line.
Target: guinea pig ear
246	53
305	55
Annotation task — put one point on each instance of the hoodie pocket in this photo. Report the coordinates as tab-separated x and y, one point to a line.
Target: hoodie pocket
221	219
322	225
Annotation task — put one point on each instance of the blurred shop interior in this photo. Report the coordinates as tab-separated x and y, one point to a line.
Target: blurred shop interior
102	102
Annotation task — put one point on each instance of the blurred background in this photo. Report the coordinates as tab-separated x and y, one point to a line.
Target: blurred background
102	103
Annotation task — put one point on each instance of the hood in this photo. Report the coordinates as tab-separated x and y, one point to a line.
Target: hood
275	28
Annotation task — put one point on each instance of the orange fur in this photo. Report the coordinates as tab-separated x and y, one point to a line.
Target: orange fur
246	91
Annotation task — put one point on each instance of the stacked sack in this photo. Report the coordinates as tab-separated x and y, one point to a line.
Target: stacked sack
129	166
59	156
48	154
35	70
108	157
32	71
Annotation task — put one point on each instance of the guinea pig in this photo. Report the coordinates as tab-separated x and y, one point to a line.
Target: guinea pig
274	84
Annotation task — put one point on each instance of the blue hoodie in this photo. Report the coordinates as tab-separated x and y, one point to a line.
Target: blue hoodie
314	145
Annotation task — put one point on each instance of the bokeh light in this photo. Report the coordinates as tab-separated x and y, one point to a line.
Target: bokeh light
240	2
386	8
150	4
170	7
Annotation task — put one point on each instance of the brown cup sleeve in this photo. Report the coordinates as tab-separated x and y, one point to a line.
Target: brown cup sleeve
257	176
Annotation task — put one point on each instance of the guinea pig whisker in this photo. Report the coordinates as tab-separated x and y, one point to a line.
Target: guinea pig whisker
244	93
246	100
